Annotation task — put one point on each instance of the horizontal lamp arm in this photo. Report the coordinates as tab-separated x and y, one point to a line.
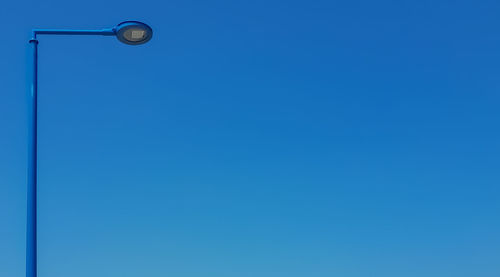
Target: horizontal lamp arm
103	32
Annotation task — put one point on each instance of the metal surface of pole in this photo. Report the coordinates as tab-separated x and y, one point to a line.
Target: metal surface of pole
31	243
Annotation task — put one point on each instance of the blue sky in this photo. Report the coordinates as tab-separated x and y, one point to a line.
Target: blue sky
257	138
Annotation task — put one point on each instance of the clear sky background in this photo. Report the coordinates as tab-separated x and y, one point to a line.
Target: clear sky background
256	138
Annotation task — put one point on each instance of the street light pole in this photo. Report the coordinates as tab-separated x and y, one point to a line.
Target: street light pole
128	32
32	167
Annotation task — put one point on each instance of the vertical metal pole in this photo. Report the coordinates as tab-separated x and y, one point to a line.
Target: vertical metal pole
31	255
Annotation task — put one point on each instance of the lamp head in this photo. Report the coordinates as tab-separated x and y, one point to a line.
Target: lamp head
133	32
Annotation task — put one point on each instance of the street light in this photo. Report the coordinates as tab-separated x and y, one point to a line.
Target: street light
128	32
133	32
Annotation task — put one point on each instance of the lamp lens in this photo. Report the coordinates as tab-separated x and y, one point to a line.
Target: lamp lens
137	34
134	34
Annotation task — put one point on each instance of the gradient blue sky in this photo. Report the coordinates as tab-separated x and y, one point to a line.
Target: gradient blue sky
257	138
